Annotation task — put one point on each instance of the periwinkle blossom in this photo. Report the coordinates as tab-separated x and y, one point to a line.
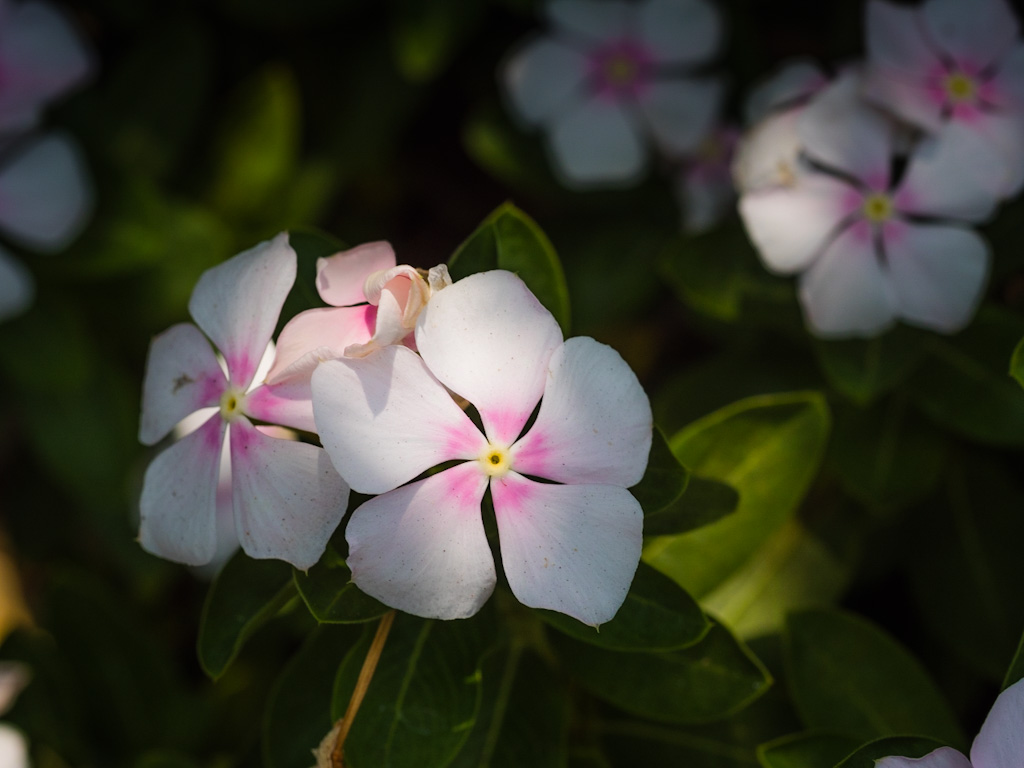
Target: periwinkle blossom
13	746
374	302
287	498
613	75
872	247
570	533
954	67
999	743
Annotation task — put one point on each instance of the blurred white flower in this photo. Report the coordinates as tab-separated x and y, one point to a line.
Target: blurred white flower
704	185
13	747
611	75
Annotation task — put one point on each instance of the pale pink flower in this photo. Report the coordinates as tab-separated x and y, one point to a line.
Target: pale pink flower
955	67
872	248
999	744
613	75
374	303
13	746
570	542
287	498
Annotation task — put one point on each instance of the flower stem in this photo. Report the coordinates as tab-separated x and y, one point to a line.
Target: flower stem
362	684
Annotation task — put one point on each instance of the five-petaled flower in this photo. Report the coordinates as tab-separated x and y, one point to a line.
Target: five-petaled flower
570	533
287	497
612	72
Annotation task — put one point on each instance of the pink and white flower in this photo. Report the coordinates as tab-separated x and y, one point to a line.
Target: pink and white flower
374	303
999	743
287	498
13	746
955	67
570	540
41	58
612	73
872	248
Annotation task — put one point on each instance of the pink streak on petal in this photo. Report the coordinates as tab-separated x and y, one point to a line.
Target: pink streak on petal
514	493
535	454
461	442
877	180
504	426
851	201
242	368
894	233
627	52
463	488
966	113
289	404
862	231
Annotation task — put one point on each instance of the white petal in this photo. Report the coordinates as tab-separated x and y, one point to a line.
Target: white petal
794	81
1000	743
594	424
237	303
422	549
681	112
975	33
906	97
289	403
943	757
179	497
384	419
488	339
593	20
790	225
319	334
14	676
999	148
46	197
568	548
17	288
897	39
845	292
340	278
1006	88
13	747
597	142
768	155
841	131
182	376
680	31
288	498
938	274
542	77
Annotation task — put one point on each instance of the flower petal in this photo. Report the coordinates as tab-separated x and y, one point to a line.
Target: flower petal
289	403
594	424
46	197
943	757
938	273
319	334
488	339
794	81
845	292
680	31
1006	88
17	288
179	497
1001	133
897	39
1000	743
542	76
596	22
288	498
13	747
422	549
975	33
384	419
768	154
568	548
905	97
681	112
597	142
791	225
237	303
340	278
182	376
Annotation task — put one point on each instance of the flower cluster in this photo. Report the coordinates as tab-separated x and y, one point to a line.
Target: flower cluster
867	187
387	377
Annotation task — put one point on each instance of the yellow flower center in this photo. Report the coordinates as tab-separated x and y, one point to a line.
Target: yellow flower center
620	70
232	404
877	207
960	87
495	461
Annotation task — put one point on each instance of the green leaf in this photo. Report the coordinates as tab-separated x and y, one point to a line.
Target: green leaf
1017	363
332	597
768	448
425	695
425	36
657	615
814	749
904	746
244	595
848	676
298	711
1016	670
707	681
702	503
509	239
664	480
863	369
523	720
707	271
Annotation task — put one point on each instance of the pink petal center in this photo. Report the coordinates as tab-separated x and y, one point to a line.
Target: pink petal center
621	69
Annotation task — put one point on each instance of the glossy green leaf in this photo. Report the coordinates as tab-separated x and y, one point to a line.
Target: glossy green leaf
703	502
1017	363
244	595
298	711
425	695
863	369
664	480
425	36
332	597
509	239
904	746
848	676
708	681
1016	670
813	749
768	448
657	615
707	271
